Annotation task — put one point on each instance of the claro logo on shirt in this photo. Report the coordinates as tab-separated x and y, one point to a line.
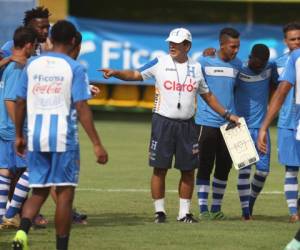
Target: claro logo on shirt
175	86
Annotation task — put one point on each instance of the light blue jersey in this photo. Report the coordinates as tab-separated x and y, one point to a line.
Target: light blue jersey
291	74
9	84
7	48
287	112
52	83
252	94
220	77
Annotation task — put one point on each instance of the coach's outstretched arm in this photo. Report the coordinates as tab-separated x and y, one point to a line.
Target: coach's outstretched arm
126	75
212	101
274	106
86	119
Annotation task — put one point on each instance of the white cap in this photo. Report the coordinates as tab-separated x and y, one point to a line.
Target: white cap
179	35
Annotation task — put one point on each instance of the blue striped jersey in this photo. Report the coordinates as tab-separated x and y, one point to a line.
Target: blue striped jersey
252	94
220	77
52	83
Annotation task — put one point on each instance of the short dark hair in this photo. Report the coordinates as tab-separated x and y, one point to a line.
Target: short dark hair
260	51
228	32
290	26
24	35
38	12
63	32
78	39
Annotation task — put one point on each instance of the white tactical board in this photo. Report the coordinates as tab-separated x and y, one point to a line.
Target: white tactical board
240	145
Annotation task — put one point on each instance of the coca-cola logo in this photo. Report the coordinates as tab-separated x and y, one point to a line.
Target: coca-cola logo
54	88
175	86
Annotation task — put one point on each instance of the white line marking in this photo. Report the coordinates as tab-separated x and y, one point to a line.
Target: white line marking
132	190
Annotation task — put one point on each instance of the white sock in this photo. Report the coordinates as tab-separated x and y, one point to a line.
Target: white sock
159	205
7	204
184	207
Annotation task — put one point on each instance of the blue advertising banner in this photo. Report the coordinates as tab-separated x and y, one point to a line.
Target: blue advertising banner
121	45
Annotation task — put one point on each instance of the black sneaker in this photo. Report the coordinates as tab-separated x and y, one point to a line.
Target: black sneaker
78	218
160	217
188	218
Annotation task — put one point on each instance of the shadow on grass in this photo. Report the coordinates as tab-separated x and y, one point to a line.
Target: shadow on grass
5	245
263	218
116	219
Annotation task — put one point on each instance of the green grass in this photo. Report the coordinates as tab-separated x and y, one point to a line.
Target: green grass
121	219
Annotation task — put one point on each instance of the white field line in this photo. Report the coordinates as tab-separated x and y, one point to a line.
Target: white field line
133	190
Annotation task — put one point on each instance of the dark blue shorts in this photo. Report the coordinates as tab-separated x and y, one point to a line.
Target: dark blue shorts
171	137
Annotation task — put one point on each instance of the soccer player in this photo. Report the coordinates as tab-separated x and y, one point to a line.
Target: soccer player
220	73
289	156
54	90
37	19
178	80
251	101
288	79
25	42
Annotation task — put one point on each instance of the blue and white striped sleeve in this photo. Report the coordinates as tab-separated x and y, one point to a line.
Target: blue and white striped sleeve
203	87
149	69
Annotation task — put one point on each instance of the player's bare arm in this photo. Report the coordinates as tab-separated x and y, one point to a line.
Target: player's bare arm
212	101
10	107
126	75
86	119
20	112
275	105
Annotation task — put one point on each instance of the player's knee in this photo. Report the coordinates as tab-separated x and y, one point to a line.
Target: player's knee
188	175
160	172
4	172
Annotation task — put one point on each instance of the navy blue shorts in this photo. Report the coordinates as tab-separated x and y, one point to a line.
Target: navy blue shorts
171	137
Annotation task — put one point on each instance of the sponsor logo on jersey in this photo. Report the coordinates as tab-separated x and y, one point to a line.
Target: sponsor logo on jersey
54	88
175	86
170	69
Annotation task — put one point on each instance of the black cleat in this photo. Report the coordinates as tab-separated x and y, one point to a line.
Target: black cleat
16	245
79	218
160	217
188	218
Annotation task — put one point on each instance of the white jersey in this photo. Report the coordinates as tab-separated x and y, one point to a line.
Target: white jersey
176	86
52	83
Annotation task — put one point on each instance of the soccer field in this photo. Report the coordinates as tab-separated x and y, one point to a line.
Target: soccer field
117	199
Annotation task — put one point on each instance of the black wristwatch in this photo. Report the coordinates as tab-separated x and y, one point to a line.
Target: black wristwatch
227	115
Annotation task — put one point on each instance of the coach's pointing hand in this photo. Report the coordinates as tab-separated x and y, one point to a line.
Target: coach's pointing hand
107	73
